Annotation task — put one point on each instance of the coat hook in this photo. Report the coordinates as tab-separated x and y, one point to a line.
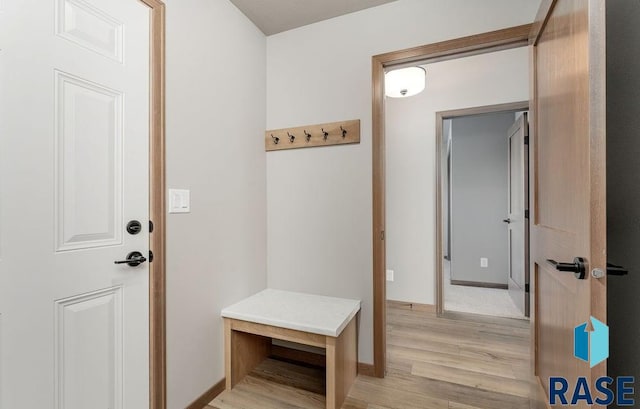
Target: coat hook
308	135
325	134
344	131
291	137
275	139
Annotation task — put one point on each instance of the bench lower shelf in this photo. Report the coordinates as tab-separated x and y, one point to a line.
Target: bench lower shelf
248	344
275	384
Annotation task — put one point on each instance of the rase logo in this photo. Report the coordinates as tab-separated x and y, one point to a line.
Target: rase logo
592	346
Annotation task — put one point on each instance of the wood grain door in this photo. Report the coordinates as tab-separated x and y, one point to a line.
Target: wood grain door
569	202
74	164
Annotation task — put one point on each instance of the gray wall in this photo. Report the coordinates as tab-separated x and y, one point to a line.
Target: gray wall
216	255
479	197
623	184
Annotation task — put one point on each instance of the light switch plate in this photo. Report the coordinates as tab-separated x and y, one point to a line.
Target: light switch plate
484	262
179	201
390	275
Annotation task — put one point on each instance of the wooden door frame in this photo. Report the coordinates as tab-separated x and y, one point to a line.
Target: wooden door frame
157	237
461	47
440	117
538	395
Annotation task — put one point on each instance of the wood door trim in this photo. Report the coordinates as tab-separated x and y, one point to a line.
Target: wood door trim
440	117
511	37
366	369
157	269
540	22
477	44
598	160
486	109
533	273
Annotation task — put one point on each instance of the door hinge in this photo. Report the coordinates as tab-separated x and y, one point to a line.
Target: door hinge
526	214
526	140
382	235
150	256
527	289
150	226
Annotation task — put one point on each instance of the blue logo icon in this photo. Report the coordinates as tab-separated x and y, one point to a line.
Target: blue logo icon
591	345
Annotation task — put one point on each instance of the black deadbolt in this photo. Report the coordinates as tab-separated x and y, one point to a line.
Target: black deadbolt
134	227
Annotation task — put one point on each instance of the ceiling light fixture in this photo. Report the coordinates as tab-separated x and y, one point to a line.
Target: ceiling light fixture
405	82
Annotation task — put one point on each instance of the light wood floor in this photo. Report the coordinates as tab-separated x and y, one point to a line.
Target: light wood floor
450	363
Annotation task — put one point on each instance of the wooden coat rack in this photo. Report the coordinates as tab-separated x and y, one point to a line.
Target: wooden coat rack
335	133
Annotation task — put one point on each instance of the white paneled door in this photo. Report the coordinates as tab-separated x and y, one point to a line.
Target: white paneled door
74	171
517	222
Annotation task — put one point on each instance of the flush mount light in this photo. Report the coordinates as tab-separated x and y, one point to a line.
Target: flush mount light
405	82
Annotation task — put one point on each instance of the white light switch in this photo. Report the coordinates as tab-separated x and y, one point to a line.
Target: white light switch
484	262
390	274
179	201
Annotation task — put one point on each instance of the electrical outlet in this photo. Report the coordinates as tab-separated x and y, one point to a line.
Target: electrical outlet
484	262
390	275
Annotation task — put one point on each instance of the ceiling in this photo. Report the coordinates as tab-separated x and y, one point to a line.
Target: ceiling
275	16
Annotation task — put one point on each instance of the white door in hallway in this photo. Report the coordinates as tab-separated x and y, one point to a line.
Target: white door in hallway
74	170
516	221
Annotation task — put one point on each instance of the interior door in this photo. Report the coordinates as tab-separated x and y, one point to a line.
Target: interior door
516	221
569	206
74	126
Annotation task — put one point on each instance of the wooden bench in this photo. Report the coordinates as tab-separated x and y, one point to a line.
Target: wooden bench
318	321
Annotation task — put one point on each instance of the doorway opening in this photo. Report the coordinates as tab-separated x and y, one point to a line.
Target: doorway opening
423	344
505	39
483	229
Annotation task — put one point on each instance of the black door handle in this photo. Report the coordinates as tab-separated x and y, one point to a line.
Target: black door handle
507	220
134	259
578	267
614	270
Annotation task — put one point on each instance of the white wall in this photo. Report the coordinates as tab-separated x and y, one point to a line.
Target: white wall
216	255
319	200
479	80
